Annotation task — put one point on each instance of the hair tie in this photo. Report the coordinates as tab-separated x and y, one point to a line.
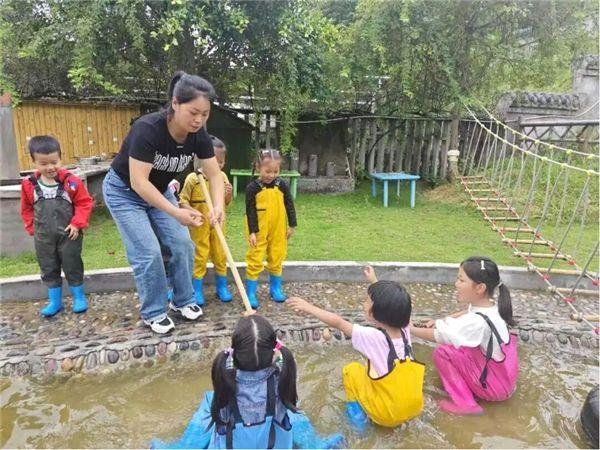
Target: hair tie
482	264
501	283
229	365
278	345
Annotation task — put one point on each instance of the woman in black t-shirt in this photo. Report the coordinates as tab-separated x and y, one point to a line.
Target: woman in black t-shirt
159	146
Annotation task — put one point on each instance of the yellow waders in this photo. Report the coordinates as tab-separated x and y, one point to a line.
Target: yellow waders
390	399
205	237
271	239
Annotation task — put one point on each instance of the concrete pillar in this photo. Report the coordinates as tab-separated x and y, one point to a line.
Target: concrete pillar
330	169
312	165
453	163
9	158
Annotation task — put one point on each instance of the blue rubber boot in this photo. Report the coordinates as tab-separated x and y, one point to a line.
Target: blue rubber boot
170	294
197	283
54	302
251	286
221	288
79	301
357	416
305	436
275	289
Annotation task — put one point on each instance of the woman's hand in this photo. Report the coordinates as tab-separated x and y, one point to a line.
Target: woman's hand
252	239
290	232
189	217
370	274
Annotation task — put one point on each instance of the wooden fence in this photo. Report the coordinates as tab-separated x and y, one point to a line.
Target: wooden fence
83	129
414	145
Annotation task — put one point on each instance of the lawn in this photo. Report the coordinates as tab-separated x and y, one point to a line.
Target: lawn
443	227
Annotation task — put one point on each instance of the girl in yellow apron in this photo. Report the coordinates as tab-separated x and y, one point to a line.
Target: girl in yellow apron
389	389
205	237
270	222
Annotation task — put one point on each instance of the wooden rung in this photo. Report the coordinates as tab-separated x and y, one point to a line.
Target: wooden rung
485	199
475	182
558	271
470	177
509	218
588	317
542	255
515	230
493	208
577	291
527	241
481	190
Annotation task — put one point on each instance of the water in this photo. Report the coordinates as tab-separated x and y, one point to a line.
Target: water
129	408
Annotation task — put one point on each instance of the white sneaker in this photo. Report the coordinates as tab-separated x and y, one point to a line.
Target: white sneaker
161	327
190	312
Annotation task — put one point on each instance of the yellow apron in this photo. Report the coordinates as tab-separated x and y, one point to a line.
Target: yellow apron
271	239
205	237
393	398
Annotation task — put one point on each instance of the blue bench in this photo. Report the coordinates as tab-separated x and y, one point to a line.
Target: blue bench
397	177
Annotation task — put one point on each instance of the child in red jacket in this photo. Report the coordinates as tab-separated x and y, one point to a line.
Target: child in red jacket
55	206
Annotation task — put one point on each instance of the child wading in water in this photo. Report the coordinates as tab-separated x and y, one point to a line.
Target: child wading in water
478	356
270	222
205	236
254	400
389	389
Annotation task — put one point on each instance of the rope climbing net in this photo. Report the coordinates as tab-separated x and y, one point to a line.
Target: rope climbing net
541	198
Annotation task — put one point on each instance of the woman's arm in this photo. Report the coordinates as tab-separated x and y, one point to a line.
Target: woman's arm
212	171
139	173
329	318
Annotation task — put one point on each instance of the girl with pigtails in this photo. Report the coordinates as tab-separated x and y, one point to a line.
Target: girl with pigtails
254	402
477	358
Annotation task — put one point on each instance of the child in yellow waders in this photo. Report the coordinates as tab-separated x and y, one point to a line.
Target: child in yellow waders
270	222
205	237
389	389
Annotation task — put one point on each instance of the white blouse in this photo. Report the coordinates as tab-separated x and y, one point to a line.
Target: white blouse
471	330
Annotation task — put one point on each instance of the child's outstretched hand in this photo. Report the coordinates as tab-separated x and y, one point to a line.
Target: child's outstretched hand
299	305
73	232
370	274
252	239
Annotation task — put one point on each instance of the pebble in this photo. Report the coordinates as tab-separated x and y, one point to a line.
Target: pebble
184	345
326	334
102	357
112	356
124	355
66	365
172	347
91	361
562	338
161	348
137	352
51	366
149	350
195	346
524	335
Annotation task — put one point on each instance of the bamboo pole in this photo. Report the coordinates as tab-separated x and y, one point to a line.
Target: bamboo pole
230	261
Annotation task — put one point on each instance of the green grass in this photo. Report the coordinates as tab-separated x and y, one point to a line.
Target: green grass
443	227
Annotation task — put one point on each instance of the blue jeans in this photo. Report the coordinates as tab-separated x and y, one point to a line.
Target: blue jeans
144	230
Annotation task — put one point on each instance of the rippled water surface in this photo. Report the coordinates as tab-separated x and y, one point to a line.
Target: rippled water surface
129	408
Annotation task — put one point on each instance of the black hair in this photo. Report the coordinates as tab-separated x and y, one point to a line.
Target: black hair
263	154
253	343
185	88
483	270
44	145
216	142
391	303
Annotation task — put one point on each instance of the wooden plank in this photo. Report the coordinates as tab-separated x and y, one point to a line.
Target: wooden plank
380	147
444	150
401	142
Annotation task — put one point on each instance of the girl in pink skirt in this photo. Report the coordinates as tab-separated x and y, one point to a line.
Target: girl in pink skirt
477	357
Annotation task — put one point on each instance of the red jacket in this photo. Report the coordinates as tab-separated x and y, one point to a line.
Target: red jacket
80	197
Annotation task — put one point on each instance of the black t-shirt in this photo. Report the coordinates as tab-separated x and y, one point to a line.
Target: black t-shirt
149	141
